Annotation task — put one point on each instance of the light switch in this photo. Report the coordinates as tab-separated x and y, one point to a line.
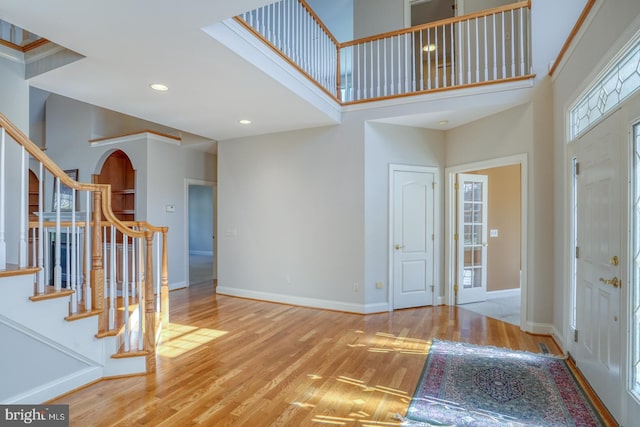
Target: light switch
493	232
170	208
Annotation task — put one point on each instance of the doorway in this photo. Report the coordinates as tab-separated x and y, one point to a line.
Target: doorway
486	237
200	232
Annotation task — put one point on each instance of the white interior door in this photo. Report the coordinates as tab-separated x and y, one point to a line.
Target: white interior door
472	238
413	239
598	263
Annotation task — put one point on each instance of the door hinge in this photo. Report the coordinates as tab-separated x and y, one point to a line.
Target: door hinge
433	237
433	185
455	237
575	335
577	252
577	168
456	186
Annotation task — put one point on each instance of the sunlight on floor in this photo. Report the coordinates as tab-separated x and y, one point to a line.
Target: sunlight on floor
179	339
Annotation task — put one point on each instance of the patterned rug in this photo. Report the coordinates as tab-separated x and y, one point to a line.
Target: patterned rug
469	385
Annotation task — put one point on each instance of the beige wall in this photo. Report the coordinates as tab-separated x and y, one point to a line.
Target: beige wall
504	215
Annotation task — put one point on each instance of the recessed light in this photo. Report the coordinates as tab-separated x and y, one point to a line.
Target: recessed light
159	87
443	122
429	47
245	122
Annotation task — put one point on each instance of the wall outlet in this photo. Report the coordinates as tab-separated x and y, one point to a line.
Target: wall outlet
356	286
379	285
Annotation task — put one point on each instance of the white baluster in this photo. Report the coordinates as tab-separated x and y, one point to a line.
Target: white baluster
413	61
437	55
429	74
522	33
133	268
453	56
87	294
513	47
477	52
141	289
468	51
125	293
57	269
371	67
40	277
67	258
495	46
71	273
3	168
113	286
504	50
23	254
486	52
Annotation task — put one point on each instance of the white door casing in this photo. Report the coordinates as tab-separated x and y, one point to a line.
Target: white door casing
472	237
599	267
412	237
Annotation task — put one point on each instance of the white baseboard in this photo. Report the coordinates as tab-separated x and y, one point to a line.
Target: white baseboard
177	285
58	387
504	293
439	301
559	339
303	301
204	253
539	328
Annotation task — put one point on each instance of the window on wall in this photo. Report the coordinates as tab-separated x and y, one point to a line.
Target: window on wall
619	81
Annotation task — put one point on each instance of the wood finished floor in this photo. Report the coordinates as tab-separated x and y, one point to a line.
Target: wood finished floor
232	362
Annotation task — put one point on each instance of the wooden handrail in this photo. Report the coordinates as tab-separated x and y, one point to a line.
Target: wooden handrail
319	22
455	19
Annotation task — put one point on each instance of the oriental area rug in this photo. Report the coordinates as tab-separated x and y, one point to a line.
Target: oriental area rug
469	385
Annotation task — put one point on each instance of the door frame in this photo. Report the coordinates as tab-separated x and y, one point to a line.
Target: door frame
450	226
214	189
437	300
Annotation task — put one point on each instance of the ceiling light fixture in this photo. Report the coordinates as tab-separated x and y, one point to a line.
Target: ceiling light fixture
159	87
429	47
245	122
443	122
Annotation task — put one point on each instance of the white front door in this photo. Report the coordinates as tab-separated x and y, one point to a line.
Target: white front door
598	262
413	238
472	237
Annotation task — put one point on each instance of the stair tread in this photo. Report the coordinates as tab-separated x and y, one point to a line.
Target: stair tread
50	292
14	270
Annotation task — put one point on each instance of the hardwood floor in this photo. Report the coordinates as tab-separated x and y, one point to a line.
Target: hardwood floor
233	362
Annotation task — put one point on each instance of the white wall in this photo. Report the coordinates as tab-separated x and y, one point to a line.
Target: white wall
14	104
169	166
290	217
377	16
384	145
337	15
516	131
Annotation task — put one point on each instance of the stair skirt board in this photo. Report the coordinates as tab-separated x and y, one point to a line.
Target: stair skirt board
58	387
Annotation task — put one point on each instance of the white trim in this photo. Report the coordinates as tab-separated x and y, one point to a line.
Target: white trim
57	387
450	221
135	137
436	227
539	328
559	339
303	301
203	253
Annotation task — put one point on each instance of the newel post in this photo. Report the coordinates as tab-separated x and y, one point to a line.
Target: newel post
149	307
97	268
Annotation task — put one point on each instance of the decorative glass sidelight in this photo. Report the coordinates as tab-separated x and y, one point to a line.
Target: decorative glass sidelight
635	267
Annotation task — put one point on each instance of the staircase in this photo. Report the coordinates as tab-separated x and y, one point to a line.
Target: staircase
83	296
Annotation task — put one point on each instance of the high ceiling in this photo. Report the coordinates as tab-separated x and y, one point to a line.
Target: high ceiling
128	45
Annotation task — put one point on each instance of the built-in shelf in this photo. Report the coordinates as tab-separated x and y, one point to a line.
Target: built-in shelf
118	171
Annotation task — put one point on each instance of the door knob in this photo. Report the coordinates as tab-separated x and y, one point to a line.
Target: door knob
615	282
398	247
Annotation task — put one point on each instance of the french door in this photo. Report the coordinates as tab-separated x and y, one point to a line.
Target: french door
472	237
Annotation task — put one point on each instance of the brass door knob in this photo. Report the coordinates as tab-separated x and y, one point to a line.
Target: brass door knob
615	282
398	247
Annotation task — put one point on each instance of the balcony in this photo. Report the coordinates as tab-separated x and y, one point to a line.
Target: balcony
492	46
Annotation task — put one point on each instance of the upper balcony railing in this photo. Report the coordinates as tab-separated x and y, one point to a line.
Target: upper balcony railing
485	47
18	38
